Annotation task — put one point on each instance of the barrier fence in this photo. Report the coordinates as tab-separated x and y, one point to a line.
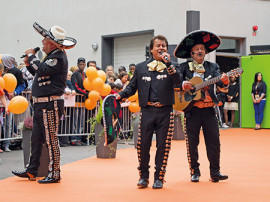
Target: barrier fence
75	121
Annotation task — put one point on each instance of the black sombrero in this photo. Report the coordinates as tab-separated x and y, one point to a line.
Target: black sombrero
210	40
57	35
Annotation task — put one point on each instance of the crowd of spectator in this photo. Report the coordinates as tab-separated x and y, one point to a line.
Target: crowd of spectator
118	80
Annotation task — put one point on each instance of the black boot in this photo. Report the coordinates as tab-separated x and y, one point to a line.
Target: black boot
216	178
25	174
47	180
158	184
143	183
195	178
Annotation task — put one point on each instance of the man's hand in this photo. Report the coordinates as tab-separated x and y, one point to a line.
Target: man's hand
117	96
28	51
187	85
225	79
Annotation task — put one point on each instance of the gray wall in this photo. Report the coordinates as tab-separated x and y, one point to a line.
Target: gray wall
88	20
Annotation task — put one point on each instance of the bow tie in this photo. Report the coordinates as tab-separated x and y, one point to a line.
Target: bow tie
156	66
195	67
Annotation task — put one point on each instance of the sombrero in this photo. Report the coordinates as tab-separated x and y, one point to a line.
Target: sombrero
57	35
210	40
112	118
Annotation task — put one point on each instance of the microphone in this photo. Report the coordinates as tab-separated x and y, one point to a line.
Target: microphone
35	49
199	54
192	53
165	57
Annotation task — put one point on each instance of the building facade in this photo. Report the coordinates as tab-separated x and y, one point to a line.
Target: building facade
118	31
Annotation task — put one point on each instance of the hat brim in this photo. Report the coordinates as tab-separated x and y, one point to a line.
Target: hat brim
66	43
210	40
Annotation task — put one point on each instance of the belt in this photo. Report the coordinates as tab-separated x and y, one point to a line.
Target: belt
155	104
47	99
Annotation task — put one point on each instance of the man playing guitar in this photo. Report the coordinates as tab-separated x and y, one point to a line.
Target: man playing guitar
202	114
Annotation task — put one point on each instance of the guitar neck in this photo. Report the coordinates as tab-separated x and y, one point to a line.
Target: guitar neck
207	83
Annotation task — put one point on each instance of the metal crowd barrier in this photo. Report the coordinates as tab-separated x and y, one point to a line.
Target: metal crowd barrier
75	121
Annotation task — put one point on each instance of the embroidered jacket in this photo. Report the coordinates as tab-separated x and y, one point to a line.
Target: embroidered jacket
141	81
50	74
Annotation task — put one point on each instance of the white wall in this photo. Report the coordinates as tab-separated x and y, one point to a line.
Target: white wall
88	20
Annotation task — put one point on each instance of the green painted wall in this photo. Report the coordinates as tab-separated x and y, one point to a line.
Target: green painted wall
251	65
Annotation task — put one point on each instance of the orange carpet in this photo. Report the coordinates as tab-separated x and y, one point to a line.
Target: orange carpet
245	157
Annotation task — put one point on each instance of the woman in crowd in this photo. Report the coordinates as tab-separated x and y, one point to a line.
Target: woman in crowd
258	94
123	79
231	101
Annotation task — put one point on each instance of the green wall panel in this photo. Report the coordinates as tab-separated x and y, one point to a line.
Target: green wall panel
251	65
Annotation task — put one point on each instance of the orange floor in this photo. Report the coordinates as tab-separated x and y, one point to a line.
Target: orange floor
245	157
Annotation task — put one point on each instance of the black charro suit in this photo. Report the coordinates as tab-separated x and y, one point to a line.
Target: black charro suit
205	118
158	119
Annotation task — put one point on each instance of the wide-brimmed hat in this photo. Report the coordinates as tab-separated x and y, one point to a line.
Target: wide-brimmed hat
57	35
210	40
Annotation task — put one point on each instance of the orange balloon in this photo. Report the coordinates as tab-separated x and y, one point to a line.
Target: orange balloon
87	84
97	84
91	73
94	96
18	105
2	83
10	82
134	107
89	104
106	90
102	75
134	97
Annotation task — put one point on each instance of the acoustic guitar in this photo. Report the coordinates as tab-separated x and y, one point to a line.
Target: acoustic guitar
185	99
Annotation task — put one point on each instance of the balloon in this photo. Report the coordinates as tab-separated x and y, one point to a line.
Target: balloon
102	75
91	73
134	97
89	104
134	107
2	83
94	96
18	105
106	90
97	84
10	82
87	84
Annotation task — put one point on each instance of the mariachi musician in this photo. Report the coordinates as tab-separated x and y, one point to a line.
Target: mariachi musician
47	91
154	79
196	45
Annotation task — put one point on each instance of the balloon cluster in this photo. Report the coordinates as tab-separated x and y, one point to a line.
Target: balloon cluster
134	105
95	83
18	104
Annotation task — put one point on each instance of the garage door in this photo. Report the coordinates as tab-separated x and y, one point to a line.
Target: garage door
130	49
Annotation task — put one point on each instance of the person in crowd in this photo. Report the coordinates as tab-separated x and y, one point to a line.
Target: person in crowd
258	94
118	87
79	114
110	79
221	94
92	63
121	69
202	114
10	66
231	103
132	67
47	91
122	79
109	71
69	90
154	79
73	68
27	76
2	97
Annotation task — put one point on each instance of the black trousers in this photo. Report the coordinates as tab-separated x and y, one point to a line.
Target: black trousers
160	120
205	118
45	128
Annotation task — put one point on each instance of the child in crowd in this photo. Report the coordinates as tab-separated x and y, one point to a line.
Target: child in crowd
110	79
118	87
123	79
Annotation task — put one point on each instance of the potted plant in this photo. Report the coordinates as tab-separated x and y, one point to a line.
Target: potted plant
178	133
26	127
